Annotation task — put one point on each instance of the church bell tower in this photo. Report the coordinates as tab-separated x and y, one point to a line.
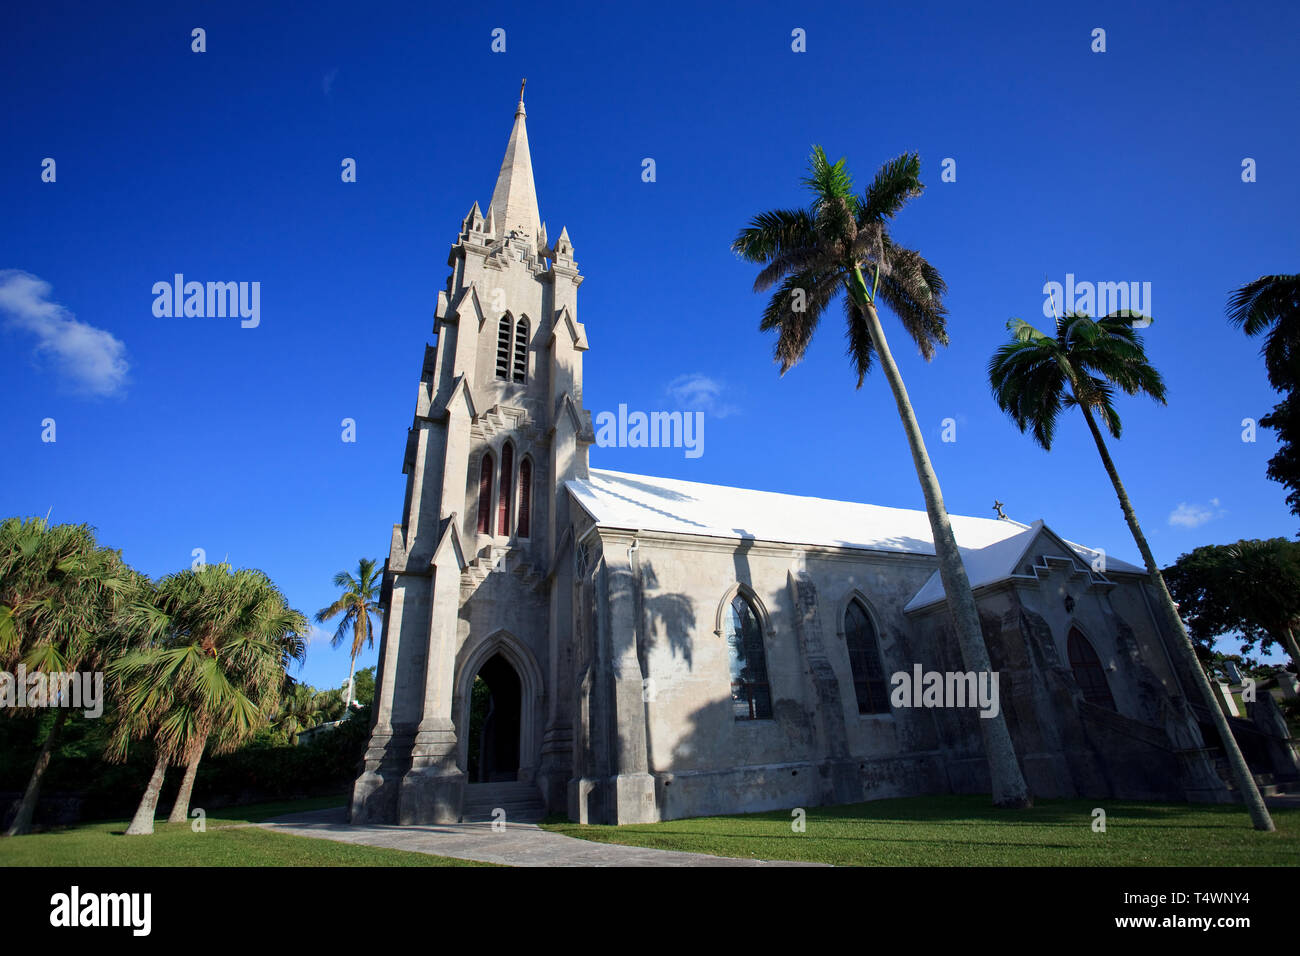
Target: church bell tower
475	580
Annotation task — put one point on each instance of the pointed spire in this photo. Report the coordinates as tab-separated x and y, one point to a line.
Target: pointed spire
564	245
514	200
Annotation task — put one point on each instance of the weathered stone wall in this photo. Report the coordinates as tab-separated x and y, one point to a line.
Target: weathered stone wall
817	748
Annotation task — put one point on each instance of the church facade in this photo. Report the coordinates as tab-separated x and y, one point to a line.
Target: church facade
624	648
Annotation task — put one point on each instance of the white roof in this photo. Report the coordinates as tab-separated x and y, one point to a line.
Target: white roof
990	547
999	561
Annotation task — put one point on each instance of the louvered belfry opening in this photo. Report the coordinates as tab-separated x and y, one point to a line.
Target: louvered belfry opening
503	498
1088	672
485	495
503	347
525	496
520	370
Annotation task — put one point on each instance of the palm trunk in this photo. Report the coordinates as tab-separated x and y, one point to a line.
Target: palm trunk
27	809
1183	644
352	670
181	808
142	822
1009	789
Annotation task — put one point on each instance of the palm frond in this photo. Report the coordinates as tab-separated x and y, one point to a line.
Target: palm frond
895	183
770	234
1259	304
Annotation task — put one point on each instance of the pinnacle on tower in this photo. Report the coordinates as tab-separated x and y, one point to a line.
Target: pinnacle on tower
514	200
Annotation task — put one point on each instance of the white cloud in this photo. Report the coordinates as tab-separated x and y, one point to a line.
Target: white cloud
699	393
1193	516
90	359
327	81
319	636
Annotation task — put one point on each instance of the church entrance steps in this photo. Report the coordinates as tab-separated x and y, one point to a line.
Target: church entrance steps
519	844
521	802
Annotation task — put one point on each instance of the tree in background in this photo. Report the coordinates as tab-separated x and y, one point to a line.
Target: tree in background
1251	587
365	686
302	708
360	599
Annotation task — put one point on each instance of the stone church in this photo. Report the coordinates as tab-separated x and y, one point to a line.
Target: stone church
622	648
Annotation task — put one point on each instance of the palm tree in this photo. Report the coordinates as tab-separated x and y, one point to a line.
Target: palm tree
1272	304
1033	377
835	246
220	643
359	600
301	708
60	596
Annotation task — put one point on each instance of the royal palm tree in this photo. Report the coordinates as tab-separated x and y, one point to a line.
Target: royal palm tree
1033	377
842	244
60	598
1272	304
220	643
359	600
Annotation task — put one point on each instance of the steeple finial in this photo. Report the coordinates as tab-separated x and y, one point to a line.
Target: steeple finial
519	110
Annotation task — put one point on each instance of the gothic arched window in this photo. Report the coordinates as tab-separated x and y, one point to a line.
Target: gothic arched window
1088	672
503	347
507	482
525	496
864	659
485	495
520	370
751	697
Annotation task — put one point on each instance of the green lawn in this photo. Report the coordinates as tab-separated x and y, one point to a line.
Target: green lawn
966	831
175	844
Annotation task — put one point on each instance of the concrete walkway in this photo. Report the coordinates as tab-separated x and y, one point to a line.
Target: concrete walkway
519	844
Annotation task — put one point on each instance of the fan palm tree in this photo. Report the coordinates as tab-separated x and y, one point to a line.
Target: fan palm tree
301	708
1033	377
220	643
842	244
359	600
60	597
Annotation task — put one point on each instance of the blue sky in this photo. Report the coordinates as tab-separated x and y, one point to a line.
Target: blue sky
224	165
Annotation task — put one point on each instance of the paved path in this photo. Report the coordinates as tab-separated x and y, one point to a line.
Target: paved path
520	844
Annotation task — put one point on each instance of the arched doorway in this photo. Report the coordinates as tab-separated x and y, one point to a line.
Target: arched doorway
495	706
1088	671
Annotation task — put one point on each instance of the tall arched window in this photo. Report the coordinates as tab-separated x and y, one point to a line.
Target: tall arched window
751	697
520	370
485	495
525	496
507	483
864	659
503	347
1088	672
